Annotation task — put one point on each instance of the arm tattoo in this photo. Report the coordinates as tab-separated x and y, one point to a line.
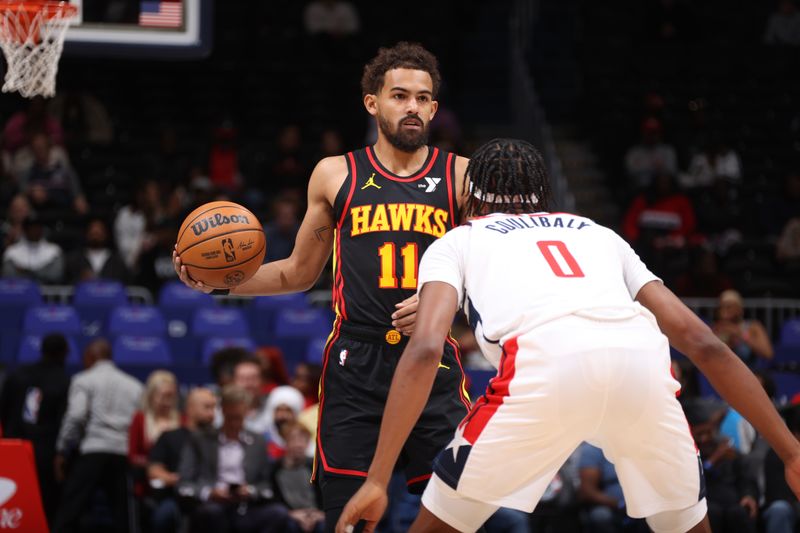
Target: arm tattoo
319	233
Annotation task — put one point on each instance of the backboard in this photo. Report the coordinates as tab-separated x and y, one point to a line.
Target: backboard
158	29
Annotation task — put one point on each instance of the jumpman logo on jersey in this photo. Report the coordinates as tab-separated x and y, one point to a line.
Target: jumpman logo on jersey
371	183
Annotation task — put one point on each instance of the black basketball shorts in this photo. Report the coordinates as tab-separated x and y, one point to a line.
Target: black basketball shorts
359	363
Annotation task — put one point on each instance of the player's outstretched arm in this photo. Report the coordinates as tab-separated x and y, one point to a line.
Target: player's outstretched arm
411	386
313	243
726	372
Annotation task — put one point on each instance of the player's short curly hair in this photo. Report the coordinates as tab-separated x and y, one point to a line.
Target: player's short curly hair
402	55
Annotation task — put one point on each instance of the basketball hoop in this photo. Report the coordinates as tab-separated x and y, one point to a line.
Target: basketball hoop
32	38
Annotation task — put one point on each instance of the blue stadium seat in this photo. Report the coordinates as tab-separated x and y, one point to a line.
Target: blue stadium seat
136	320
16	295
263	310
30	350
51	318
214	344
178	303
141	351
219	322
294	328
306	323
315	350
790	333
94	300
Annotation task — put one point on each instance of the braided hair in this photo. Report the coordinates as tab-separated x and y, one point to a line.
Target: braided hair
507	176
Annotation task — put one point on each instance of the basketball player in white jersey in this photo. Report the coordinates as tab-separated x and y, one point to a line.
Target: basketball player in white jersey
578	329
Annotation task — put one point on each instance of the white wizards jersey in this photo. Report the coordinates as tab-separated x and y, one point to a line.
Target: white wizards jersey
516	272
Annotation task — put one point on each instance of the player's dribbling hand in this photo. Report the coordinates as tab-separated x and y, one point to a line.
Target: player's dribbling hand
405	317
184	275
368	504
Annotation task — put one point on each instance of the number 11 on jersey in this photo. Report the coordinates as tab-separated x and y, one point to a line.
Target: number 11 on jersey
388	275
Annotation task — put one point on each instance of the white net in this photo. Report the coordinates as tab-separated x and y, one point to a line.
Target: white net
32	41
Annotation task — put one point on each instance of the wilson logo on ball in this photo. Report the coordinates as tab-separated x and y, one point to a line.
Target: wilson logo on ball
217	220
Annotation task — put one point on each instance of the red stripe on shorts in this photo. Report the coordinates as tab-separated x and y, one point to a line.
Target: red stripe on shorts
496	392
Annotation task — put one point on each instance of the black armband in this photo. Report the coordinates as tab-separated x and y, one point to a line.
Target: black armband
220	292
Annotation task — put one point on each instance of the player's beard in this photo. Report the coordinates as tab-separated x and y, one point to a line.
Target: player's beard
404	140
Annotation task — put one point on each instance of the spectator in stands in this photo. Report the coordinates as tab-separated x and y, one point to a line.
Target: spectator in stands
98	260
783	26
19	129
787	249
223	159
33	256
274	368
651	157
282	229
46	176
290	482
717	160
601	492
168	163
165	456
284	405
130	226
331	144
84	118
101	402
32	404
661	216
331	18
161	242
704	278
223	363
247	374
289	171
11	228
719	215
747	338
731	493
781	508
159	413
226	473
306	380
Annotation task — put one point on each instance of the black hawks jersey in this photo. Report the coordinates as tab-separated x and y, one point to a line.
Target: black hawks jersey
385	223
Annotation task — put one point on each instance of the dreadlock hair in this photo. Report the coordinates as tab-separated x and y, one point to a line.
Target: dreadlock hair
508	176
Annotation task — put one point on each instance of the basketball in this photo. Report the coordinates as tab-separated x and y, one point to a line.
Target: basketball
221	244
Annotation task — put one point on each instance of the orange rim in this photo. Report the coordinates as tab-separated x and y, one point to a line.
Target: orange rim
52	10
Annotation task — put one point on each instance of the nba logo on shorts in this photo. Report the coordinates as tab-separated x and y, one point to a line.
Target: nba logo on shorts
227	247
30	411
342	357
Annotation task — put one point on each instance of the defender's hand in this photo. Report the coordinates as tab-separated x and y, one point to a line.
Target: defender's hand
368	504
405	317
184	275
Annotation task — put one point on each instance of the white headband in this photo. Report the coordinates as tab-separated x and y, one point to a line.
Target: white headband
492	198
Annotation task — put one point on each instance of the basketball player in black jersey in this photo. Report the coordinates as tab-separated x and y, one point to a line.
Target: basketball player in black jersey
377	209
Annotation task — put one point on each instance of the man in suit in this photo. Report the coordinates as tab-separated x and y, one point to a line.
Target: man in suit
226	472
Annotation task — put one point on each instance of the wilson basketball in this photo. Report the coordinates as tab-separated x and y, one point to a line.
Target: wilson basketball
221	244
